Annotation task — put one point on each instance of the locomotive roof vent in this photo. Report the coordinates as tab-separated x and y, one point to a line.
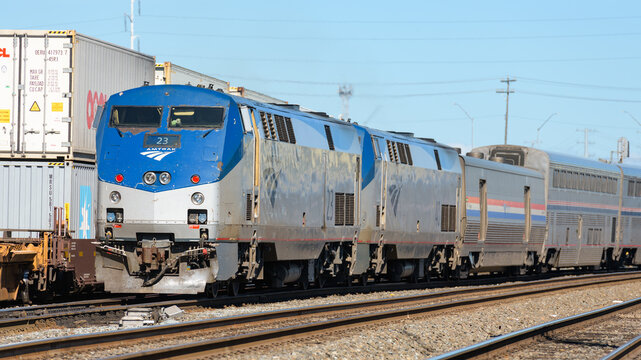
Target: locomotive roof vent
428	139
498	159
289	106
403	133
475	154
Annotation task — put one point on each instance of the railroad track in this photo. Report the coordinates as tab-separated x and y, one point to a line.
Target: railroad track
239	332
579	336
11	318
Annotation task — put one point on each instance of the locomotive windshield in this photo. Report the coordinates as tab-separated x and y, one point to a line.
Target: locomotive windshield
196	117
135	116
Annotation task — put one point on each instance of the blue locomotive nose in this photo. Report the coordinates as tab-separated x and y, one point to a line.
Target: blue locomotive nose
152	142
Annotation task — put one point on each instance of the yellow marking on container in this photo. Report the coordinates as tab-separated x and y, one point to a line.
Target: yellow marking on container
80	253
34	107
56	107
67	214
5	115
56	164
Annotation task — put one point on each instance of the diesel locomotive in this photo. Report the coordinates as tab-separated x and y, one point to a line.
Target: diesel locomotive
200	190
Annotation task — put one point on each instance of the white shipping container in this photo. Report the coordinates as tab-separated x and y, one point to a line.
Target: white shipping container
31	189
169	73
51	83
254	95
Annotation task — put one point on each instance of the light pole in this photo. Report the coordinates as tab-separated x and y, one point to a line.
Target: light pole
538	130
471	119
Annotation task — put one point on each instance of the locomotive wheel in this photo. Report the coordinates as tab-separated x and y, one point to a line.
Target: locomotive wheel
364	278
233	288
304	284
321	281
211	290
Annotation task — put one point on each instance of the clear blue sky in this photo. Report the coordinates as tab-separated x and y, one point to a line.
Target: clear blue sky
408	61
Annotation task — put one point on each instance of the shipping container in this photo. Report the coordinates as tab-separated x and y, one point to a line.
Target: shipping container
51	83
32	189
254	95
169	73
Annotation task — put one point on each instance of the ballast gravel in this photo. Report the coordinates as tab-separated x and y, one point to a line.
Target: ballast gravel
411	338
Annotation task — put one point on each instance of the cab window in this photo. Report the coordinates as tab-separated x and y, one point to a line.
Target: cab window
135	116
196	117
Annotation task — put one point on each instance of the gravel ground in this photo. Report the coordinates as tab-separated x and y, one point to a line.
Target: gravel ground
409	338
418	338
50	330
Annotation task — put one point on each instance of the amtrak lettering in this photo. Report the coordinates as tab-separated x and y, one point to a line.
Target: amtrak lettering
395	194
271	182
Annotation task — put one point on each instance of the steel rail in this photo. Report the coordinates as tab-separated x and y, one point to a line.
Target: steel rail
22	320
628	350
498	344
251	339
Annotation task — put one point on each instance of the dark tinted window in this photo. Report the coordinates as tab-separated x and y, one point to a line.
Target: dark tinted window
135	116
196	117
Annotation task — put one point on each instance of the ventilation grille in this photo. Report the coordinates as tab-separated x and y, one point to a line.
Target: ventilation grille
344	209
448	218
290	130
330	140
339	209
272	131
378	215
349	209
248	207
263	119
282	130
409	154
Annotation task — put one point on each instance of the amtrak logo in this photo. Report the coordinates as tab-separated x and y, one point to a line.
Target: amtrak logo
156	154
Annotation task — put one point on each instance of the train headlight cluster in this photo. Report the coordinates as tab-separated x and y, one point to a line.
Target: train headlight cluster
149	178
197	198
114	215
164	178
196	216
114	197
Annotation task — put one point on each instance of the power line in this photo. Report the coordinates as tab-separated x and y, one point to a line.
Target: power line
446	38
562	83
404	62
385	96
405	21
579	97
334	83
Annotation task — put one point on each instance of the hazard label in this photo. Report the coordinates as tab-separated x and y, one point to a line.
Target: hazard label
4	115
56	107
35	107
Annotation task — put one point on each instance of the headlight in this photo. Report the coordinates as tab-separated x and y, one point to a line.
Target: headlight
197	198
111	217
164	178
114	197
149	178
192	218
202	218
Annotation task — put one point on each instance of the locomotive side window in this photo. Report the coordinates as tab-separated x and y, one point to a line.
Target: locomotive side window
135	116
196	117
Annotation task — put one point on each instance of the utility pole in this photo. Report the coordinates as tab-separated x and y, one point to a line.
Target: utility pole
345	92
586	143
471	119
507	101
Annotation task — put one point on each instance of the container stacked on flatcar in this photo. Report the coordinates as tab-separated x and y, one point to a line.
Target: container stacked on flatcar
51	84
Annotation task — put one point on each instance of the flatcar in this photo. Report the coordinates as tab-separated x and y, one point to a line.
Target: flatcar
200	190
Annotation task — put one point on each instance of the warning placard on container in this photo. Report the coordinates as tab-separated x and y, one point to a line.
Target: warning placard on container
35	107
5	115
56	107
